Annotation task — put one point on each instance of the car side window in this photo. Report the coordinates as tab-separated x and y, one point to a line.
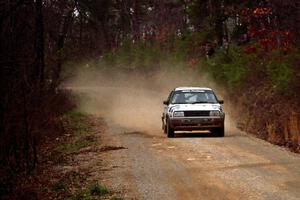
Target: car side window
174	98
211	97
170	96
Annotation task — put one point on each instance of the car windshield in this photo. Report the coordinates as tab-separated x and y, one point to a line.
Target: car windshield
193	97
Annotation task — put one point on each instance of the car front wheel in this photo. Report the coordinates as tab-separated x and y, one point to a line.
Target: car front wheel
170	131
218	132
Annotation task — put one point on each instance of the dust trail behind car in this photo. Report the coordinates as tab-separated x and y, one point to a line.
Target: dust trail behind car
133	99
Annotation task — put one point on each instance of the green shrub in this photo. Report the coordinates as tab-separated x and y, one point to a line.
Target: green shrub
92	192
58	186
78	123
279	72
143	56
229	68
97	190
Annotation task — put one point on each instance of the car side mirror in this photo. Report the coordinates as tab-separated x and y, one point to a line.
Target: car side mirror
221	101
166	102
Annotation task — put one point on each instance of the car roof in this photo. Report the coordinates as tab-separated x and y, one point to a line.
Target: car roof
191	88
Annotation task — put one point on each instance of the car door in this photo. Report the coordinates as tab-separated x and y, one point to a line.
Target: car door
166	107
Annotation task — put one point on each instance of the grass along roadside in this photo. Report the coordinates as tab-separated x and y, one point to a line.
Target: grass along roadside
92	191
83	132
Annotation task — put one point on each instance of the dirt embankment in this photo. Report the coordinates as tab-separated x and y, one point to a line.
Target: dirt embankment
270	115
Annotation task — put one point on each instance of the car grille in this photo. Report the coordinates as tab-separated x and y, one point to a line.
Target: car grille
196	113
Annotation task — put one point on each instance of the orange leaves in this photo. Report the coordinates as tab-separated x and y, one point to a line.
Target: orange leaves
164	32
269	39
192	63
263	27
261	11
250	49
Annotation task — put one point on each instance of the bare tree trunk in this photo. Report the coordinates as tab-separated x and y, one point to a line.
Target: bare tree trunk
80	28
210	8
39	43
126	18
63	29
105	34
136	21
27	136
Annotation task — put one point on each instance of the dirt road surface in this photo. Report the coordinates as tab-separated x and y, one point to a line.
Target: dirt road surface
196	166
189	166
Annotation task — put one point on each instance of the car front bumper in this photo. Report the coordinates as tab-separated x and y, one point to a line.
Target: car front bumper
192	123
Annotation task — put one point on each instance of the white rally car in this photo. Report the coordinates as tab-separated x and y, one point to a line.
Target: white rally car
193	108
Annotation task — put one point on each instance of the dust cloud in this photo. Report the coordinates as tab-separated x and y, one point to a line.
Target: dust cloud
133	99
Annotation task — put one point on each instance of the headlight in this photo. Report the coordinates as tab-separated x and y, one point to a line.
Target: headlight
214	113
178	114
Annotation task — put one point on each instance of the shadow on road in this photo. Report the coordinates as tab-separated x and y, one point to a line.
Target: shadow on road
203	135
192	135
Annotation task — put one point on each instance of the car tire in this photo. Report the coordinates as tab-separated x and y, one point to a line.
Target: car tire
218	132
163	126
170	131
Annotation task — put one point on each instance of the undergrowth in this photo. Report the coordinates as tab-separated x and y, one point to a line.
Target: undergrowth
91	192
58	186
229	68
77	123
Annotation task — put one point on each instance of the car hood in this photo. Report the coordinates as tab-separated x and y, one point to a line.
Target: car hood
193	107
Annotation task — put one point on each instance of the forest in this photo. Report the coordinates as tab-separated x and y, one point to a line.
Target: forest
249	47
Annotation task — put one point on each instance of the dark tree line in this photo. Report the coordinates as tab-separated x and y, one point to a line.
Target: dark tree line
30	63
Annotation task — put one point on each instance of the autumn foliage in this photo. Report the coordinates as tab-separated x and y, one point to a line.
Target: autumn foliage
263	27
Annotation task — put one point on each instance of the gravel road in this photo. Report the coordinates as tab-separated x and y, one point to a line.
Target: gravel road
197	166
